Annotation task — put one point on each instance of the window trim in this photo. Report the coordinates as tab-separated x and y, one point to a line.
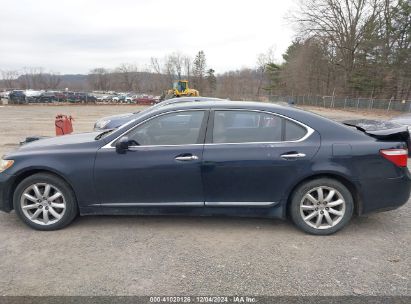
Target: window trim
209	135
201	137
206	130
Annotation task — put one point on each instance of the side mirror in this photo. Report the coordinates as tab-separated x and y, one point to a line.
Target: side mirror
122	144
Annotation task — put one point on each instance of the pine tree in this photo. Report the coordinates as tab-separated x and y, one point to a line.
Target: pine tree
199	70
211	81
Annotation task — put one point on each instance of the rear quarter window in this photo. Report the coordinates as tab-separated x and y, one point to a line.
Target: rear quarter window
293	131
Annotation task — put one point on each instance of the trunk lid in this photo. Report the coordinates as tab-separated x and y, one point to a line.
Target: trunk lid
382	130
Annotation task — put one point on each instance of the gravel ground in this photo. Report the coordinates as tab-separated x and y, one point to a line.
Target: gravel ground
131	255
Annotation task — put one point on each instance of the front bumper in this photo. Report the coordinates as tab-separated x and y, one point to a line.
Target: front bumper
383	194
6	198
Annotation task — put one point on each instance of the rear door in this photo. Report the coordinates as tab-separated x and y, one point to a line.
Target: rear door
252	157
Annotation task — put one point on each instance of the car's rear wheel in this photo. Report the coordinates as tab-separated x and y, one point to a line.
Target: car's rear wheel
45	202
321	206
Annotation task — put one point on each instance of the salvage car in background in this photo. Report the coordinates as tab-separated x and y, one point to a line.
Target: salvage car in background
17	97
210	158
47	97
4	95
115	121
33	95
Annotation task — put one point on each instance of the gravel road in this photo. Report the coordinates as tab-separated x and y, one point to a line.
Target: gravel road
153	255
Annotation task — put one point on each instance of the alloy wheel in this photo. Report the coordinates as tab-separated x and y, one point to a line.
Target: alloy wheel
322	207
43	203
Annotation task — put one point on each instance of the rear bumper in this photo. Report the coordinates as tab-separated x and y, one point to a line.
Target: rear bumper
6	182
383	194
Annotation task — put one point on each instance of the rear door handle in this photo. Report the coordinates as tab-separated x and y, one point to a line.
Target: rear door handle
292	155
186	157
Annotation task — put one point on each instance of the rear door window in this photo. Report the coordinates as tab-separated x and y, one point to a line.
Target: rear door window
246	126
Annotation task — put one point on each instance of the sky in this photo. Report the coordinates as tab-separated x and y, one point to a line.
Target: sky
76	36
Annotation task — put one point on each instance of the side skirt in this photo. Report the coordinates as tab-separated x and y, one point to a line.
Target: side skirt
276	211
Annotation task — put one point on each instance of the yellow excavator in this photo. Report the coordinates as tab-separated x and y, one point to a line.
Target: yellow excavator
180	89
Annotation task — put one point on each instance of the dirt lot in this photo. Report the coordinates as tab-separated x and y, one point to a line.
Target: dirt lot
115	255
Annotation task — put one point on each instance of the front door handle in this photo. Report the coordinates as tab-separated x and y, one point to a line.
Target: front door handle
292	155
186	157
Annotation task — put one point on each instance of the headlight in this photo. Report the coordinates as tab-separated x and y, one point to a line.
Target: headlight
5	164
101	124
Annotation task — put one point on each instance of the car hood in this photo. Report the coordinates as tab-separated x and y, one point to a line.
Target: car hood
114	121
124	115
59	142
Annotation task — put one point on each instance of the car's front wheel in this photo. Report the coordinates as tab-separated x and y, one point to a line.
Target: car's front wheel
45	202
321	206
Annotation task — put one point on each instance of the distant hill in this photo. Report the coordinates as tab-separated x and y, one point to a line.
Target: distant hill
74	81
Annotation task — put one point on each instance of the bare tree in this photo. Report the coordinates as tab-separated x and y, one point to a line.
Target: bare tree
342	23
9	78
99	78
177	61
129	77
187	62
49	81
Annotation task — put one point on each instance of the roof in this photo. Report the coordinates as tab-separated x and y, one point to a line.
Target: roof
224	104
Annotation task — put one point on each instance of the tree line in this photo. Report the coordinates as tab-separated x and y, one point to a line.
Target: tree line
358	48
158	76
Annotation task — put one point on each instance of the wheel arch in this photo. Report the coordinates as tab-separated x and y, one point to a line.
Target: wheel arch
339	177
29	172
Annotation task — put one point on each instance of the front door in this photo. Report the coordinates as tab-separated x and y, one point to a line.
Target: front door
251	157
161	168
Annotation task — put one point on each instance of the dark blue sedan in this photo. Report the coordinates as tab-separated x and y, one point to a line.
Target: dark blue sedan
211	158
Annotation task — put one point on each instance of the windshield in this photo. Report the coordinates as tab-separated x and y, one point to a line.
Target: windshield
104	134
108	132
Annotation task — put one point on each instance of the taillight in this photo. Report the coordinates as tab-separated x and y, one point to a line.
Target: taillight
396	156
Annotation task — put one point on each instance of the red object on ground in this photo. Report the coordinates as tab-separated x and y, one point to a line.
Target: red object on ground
63	124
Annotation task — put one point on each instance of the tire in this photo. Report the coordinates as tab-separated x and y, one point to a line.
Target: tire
319	216
61	205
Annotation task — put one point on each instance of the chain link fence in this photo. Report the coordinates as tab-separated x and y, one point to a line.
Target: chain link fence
346	102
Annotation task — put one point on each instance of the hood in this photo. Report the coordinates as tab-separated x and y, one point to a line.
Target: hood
59	142
114	121
124	115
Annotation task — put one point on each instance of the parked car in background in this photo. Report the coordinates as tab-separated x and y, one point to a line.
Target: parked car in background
211	158
60	96
5	95
115	121
128	99
17	97
33	95
102	98
120	98
47	97
146	100
71	97
85	97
